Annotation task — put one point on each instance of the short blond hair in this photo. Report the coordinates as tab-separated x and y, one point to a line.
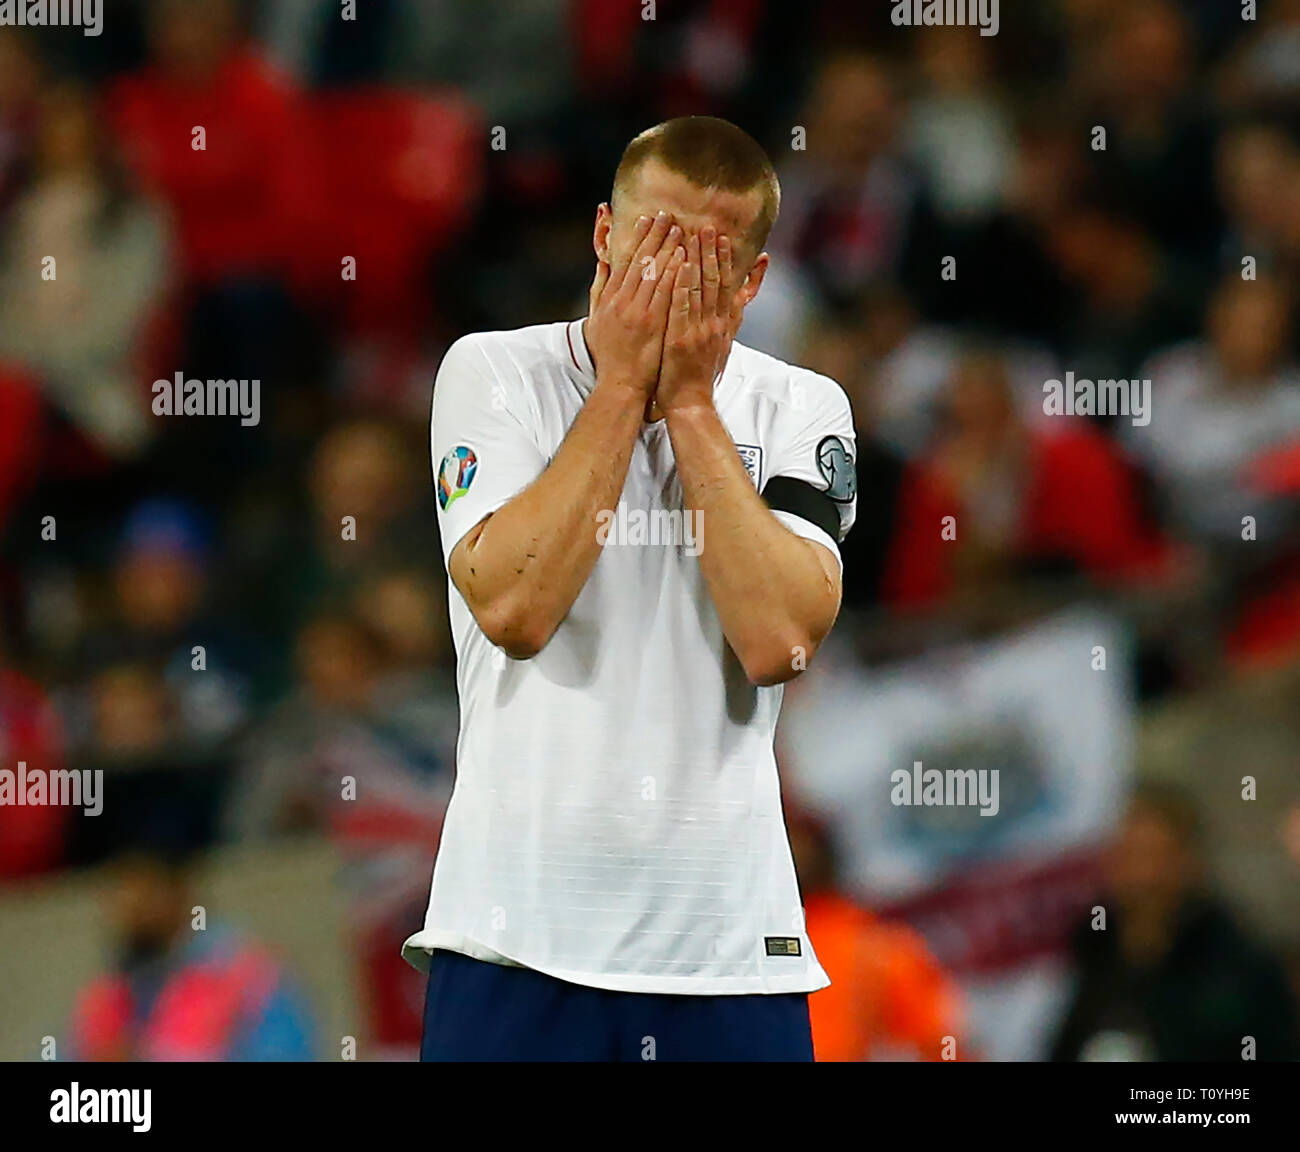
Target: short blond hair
710	153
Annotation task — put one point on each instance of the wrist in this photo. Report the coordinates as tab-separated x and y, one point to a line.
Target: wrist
686	389
689	409
624	389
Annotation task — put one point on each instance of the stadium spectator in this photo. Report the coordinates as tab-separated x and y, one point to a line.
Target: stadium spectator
845	199
364	758
512	60
1158	155
1258	169
235	192
888	998
221	137
32	837
957	131
336	725
1021	500
1126	296
130	718
1172	976
163	614
1223	401
365	515
417	682
19	84
906	364
1262	73
838	347
125	721
83	278
177	992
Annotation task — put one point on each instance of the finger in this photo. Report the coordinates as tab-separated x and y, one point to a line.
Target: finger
657	267
693	259
666	288
654	241
709	270
727	289
686	297
597	285
620	264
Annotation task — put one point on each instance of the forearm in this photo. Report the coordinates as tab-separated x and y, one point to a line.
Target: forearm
521	570
774	595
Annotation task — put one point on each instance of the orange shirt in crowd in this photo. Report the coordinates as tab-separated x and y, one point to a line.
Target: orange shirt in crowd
888	996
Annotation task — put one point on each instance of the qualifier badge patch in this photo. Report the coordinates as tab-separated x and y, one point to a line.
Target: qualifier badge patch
836	466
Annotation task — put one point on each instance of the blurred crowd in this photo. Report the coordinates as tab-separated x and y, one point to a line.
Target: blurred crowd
181	603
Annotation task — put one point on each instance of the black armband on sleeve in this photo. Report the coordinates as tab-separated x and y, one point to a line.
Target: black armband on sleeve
799	498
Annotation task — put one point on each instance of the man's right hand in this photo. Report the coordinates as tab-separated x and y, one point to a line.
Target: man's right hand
629	303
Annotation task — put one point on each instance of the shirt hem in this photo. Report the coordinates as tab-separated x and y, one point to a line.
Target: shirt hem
417	948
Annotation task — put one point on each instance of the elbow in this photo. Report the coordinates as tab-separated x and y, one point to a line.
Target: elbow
777	663
520	634
770	677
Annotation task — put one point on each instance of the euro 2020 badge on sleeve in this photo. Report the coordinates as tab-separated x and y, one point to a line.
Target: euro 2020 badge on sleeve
455	475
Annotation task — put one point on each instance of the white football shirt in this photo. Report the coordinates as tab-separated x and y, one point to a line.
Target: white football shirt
616	817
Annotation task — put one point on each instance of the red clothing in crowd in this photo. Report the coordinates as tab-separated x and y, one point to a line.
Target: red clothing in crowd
1078	502
31	836
240	203
21	426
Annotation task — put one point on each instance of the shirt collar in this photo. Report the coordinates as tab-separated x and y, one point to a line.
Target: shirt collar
580	355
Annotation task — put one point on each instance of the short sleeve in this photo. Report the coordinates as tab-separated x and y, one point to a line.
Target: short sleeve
814	443
483	454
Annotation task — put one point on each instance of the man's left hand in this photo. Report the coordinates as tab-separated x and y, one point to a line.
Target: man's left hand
702	322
